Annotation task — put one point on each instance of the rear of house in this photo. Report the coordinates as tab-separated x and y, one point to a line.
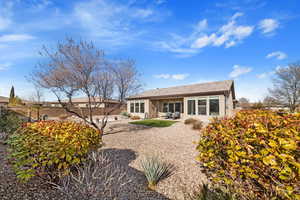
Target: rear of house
203	101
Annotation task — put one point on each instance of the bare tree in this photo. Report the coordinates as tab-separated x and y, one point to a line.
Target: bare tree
244	103
36	100
126	78
269	102
80	69
286	86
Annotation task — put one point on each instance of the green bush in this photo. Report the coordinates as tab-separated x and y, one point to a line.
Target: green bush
256	154
9	122
50	148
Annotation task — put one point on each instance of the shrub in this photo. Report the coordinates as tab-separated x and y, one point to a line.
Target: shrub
135	117
125	114
63	117
190	121
9	123
256	153
97	178
155	170
197	125
50	148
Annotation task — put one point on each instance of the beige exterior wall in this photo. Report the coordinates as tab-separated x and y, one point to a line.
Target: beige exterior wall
206	117
147	107
225	106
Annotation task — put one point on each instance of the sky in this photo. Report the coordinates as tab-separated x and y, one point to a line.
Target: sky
174	42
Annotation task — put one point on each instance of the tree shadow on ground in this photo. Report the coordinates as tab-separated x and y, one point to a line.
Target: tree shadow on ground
121	127
137	188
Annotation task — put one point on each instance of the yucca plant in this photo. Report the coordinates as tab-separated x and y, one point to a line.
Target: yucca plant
155	170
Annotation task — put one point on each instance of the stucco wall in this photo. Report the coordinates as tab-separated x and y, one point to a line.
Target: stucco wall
204	117
147	107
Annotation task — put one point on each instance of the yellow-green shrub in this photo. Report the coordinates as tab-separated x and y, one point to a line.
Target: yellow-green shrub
256	153
50	148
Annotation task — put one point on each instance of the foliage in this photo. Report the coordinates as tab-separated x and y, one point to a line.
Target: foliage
97	178
11	94
155	170
256	153
190	121
125	114
204	192
9	122
15	101
50	148
155	123
197	125
135	117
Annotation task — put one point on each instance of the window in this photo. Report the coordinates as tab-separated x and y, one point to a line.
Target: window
142	109
165	108
137	107
132	107
191	107
214	106
202	107
171	107
177	107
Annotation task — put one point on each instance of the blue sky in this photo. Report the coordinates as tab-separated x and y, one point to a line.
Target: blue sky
174	42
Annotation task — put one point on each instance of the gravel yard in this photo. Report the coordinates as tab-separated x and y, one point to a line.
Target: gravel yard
126	144
174	144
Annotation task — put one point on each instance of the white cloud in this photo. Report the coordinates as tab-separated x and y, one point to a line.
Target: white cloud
228	35
172	76
268	26
204	41
15	37
143	13
5	66
239	70
265	75
279	55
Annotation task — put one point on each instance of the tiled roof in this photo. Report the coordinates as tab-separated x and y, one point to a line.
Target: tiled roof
4	99
210	87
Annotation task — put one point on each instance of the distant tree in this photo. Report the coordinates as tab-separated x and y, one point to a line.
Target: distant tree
79	68
244	103
257	106
36	100
12	95
286	86
269	102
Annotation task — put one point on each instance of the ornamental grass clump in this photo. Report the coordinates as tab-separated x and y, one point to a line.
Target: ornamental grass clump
256	154
155	170
190	121
50	149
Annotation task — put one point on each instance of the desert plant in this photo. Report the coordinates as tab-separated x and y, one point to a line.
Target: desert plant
155	170
50	148
255	153
135	117
97	178
197	125
190	121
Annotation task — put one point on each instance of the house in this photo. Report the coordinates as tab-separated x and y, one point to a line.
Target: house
203	101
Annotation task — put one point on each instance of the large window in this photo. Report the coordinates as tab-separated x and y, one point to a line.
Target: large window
171	107
132	107
165	107
202	107
137	107
177	107
214	106
142	109
191	107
